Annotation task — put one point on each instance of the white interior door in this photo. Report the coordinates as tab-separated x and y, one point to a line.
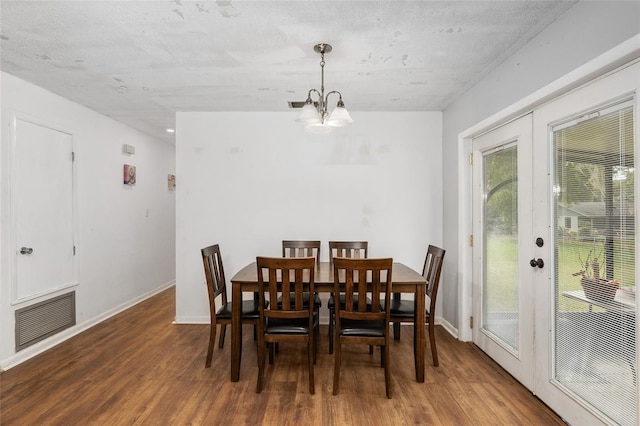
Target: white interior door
42	210
584	198
502	242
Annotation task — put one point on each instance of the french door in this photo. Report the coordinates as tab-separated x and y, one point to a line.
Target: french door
503	291
554	214
586	363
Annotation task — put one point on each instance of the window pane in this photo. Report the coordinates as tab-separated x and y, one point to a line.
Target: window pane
500	285
595	272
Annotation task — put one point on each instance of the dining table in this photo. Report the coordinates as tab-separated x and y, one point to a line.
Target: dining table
404	280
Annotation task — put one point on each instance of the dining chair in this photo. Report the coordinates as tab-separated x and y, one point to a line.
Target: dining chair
291	320
361	322
217	286
404	310
303	248
350	249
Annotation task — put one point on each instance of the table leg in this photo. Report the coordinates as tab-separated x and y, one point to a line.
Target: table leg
236	331
419	342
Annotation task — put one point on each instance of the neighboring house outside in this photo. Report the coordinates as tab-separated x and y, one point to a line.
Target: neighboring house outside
589	219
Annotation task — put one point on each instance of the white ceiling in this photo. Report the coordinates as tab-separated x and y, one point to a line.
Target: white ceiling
141	61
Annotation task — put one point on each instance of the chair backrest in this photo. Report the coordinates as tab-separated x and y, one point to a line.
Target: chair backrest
287	278
366	279
301	248
431	272
351	249
214	273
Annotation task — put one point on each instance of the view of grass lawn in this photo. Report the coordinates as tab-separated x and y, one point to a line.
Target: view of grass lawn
502	269
501	273
571	257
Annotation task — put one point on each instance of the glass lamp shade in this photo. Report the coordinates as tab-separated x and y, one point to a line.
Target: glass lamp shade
309	115
339	117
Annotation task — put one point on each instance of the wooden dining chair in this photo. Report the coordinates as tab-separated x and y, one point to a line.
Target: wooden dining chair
403	310
361	322
349	249
217	286
303	248
291	320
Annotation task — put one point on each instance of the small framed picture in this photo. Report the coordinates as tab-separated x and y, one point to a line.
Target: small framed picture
171	182
129	174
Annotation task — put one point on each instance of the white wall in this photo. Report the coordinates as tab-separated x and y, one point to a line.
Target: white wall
249	180
585	31
123	256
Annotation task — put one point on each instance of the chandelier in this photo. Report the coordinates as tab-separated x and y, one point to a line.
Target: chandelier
314	114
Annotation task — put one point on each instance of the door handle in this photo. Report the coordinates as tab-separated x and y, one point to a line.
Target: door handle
26	250
537	262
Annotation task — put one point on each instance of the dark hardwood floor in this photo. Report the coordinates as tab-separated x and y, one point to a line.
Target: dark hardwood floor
139	368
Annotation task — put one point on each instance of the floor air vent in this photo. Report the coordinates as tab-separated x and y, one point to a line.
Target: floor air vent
44	319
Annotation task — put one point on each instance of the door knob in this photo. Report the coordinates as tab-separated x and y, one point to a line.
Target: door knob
537	262
26	250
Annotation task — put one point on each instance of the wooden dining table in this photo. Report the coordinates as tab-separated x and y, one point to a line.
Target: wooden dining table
404	280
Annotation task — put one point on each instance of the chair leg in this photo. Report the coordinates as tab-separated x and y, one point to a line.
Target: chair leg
271	346
311	355
387	367
261	359
212	339
316	339
396	331
223	331
331	329
336	369
432	341
370	349
382	357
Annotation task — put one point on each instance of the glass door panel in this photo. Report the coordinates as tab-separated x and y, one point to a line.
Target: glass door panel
595	268
500	236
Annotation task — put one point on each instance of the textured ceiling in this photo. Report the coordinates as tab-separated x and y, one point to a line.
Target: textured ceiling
141	61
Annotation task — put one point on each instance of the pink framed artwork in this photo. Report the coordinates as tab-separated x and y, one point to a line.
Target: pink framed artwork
129	174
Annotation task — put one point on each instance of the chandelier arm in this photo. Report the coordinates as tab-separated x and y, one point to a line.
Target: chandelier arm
326	99
309	95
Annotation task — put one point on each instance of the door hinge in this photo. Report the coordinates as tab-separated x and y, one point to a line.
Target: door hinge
73	156
471	158
470	322
74	250
471	240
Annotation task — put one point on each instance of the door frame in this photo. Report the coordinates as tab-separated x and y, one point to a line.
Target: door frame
14	116
601	66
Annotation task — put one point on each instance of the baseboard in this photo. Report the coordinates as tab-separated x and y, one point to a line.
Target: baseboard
192	320
447	326
442	322
55	340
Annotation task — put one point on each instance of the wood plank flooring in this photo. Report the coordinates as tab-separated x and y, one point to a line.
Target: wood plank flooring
139	368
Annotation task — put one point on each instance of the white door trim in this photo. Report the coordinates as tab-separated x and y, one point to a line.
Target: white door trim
625	53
